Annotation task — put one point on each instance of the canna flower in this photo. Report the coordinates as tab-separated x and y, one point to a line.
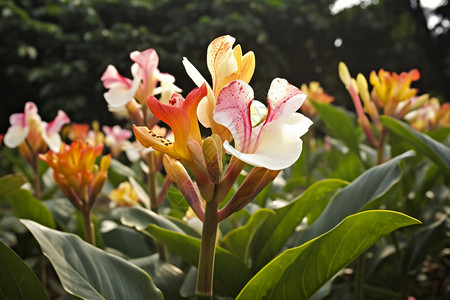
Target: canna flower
124	195
145	79
115	137
389	89
272	138
430	116
315	92
225	64
76	174
135	150
166	87
443	116
120	89
181	115
28	129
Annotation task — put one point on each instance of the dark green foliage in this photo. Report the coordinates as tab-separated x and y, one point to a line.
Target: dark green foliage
54	52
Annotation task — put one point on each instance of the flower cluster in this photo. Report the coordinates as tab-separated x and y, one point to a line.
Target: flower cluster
76	174
266	138
392	96
31	134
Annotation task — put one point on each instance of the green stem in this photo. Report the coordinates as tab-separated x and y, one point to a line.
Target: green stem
37	178
151	182
359	280
380	148
154	203
88	228
204	289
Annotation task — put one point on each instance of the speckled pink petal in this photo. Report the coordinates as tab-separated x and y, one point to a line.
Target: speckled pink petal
233	111
283	99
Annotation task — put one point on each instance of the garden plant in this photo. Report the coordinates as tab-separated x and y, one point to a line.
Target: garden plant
213	194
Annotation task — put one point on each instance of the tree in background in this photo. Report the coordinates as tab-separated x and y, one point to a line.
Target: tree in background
53	52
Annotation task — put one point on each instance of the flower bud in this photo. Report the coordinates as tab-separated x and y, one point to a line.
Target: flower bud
176	171
197	155
212	152
344	74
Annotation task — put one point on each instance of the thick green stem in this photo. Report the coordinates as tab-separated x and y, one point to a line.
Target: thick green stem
380	148
88	228
204	289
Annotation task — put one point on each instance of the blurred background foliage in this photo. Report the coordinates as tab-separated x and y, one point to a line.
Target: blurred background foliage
53	52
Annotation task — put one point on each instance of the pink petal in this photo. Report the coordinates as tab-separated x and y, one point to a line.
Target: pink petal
283	99
30	109
58	122
111	78
17	119
147	62
233	111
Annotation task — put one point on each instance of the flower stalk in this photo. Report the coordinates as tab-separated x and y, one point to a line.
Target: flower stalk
204	288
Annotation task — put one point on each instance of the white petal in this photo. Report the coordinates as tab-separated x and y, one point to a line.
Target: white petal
193	72
119	96
15	136
279	145
199	80
52	139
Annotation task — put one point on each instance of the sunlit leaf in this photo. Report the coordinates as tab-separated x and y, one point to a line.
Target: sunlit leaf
422	143
370	186
298	273
274	234
239	240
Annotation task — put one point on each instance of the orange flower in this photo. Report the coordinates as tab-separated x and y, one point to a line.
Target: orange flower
391	88
76	174
181	115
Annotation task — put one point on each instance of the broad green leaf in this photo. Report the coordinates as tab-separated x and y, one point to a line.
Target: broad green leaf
17	280
26	206
339	125
140	217
167	277
127	240
298	273
90	273
274	233
10	183
369	187
239	241
437	152
118	172
229	269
